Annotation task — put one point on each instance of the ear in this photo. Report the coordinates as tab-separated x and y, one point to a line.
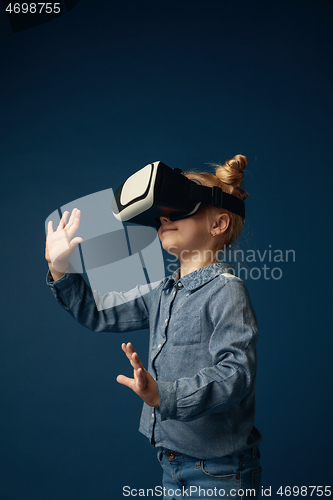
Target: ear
221	224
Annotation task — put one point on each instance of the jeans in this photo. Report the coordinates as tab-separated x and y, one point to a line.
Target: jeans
233	476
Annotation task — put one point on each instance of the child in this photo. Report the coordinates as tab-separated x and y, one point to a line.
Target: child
199	389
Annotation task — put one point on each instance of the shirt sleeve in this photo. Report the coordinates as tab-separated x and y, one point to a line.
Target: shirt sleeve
112	312
232	346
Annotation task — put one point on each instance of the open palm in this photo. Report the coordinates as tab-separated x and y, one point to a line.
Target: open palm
142	383
60	244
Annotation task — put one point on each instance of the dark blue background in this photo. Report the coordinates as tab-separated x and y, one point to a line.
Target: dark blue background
86	100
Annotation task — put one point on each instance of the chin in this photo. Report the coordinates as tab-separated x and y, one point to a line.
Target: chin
171	249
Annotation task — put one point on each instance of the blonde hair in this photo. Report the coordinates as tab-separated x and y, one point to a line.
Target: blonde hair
229	177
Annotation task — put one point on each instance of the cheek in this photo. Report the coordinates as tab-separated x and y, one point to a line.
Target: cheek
197	229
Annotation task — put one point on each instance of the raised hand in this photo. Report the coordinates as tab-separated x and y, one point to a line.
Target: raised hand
60	244
143	383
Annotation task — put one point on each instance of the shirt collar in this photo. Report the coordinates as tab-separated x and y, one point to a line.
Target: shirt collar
198	277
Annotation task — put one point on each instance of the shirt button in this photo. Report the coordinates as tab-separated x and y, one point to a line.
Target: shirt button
152	415
166	320
159	346
180	284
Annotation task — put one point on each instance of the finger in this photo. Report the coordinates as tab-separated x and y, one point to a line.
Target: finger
74	225
64	219
128	349
62	222
136	361
141	379
72	217
50	228
132	355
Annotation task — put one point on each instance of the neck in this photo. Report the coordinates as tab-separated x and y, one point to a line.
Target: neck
193	262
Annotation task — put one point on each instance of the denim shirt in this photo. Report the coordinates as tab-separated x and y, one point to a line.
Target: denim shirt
202	354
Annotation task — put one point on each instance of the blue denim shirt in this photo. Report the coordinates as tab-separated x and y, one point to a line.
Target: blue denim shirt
202	354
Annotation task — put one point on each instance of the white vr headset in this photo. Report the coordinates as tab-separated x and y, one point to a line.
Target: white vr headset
158	190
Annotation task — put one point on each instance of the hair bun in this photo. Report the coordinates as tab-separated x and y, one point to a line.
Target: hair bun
232	171
238	163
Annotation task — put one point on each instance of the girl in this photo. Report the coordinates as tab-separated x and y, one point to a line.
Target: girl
199	388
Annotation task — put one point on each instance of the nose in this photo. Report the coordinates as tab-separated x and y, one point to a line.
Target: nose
164	218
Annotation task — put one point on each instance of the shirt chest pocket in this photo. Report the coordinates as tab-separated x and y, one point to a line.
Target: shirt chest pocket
187	331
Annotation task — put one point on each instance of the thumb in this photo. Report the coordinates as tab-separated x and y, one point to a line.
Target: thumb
75	241
121	379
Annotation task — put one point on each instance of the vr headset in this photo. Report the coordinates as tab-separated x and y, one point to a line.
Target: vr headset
158	190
